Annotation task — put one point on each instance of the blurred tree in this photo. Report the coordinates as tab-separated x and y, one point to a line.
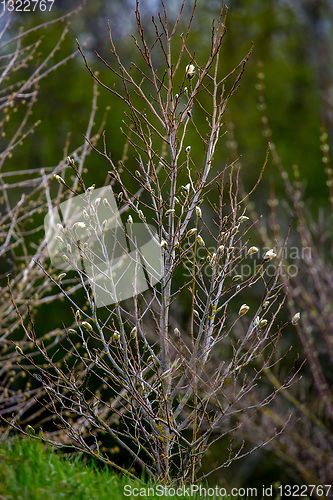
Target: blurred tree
317	19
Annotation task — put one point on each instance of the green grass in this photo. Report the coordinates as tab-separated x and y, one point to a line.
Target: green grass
30	470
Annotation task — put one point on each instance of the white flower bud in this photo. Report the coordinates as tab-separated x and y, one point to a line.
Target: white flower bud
269	255
97	201
170	211
236	277
190	71
243	218
252	250
296	318
116	335
188	149
18	349
243	310
262	323
60	227
130	220
177	332
87	325
191	232
256	321
142	216
61	275
79	224
133	331
164	244
198	211
221	249
201	241
235	229
91	188
59	179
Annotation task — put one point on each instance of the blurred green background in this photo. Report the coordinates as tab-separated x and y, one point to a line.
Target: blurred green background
292	40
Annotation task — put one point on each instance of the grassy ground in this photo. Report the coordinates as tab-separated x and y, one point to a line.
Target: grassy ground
31	471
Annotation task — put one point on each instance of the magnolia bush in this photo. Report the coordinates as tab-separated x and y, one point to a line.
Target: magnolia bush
133	367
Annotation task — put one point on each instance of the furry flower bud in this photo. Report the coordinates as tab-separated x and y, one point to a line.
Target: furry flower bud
87	325
243	310
191	232
269	255
201	241
133	332
142	216
243	218
198	211
59	179
190	71
252	250
295	318
18	349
